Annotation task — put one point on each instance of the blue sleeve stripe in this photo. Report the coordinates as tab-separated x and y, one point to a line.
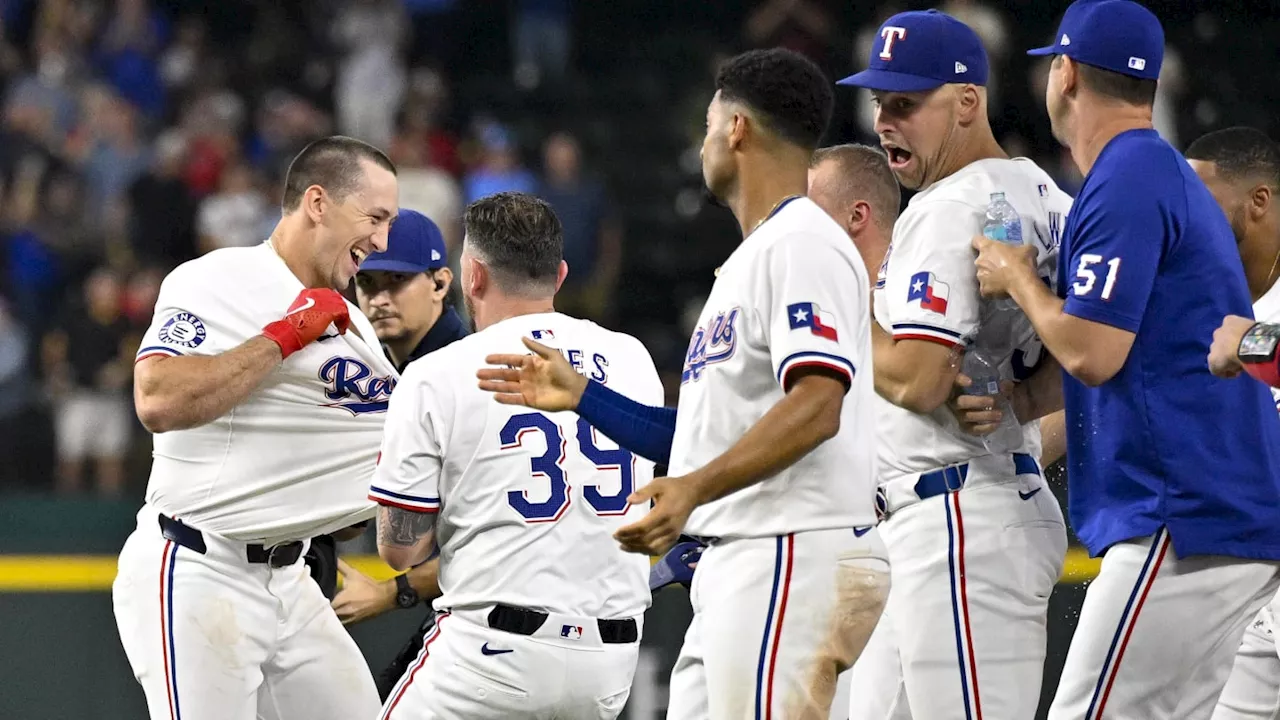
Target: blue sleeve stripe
375	490
157	350
904	328
835	362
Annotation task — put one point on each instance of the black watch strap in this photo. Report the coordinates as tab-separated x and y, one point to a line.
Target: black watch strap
1259	343
406	596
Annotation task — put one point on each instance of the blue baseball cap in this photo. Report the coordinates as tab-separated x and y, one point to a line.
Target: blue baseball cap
922	50
1117	35
414	245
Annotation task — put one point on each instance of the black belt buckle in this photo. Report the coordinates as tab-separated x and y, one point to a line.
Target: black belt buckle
277	556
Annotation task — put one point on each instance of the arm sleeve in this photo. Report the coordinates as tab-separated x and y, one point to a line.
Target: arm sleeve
1115	252
188	319
643	429
931	287
412	454
815	308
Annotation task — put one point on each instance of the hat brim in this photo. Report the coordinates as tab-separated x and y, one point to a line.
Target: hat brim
373	265
1047	50
889	81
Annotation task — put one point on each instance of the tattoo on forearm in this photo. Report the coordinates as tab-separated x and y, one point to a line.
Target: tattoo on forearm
403	528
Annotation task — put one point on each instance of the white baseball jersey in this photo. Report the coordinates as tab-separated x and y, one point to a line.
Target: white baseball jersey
528	501
927	289
792	295
293	460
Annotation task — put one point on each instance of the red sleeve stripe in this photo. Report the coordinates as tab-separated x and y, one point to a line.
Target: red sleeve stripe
403	505
945	342
155	351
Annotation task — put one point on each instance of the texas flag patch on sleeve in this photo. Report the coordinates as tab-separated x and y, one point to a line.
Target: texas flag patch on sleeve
929	291
809	315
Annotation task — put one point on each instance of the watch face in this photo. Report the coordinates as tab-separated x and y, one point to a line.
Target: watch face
1259	344
406	599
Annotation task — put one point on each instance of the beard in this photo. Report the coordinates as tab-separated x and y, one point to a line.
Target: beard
470	305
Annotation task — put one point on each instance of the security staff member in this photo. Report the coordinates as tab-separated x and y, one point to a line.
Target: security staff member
404	292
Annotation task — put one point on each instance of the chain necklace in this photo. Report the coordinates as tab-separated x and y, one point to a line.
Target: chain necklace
768	215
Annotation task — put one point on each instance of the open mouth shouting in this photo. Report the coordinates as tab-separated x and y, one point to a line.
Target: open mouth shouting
898	157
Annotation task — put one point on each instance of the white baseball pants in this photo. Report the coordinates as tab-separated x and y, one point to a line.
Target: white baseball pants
214	637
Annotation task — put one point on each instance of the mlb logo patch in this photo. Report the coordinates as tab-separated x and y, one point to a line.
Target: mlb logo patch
542	335
809	315
571	632
1043	190
929	291
1137	63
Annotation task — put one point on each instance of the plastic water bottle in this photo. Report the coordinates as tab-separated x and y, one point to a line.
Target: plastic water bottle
985	374
1003	224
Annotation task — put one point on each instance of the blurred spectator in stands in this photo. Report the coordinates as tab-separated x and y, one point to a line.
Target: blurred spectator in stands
428	189
422	120
185	57
111	151
60	223
990	25
32	263
130	47
211	123
138	302
542	38
804	26
15	393
285	123
162	211
592	235
232	217
371	76
88	364
499	169
436	35
43	103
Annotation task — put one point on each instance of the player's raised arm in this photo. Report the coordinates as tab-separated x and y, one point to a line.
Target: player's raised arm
546	381
176	390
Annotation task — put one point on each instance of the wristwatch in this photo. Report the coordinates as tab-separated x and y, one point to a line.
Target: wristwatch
1259	343
406	596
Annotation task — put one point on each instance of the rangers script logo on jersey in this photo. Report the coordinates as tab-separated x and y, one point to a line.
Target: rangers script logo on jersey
349	378
712	344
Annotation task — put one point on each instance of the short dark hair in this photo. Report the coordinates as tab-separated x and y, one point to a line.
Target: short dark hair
789	92
865	174
519	237
1239	153
1114	85
333	163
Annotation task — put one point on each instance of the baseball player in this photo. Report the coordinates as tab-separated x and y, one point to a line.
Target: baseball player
541	610
266	392
403	293
1241	168
1173	473
963	635
771	447
854	185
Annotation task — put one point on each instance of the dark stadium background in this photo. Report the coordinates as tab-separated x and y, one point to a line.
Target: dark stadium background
134	134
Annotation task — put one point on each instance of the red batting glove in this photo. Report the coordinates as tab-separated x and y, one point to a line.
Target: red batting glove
308	317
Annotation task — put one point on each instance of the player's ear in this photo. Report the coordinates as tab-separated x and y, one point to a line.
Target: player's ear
737	129
859	217
1260	200
970	102
1070	73
313	202
443	278
561	274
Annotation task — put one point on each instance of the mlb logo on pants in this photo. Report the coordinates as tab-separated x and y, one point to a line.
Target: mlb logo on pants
572	632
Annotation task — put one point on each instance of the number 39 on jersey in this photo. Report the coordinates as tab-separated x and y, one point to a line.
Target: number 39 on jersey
550	466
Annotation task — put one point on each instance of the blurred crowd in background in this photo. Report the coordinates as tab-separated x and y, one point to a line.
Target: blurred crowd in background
137	134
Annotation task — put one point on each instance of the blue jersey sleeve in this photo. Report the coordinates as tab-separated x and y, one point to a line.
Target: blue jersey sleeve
1115	249
643	429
